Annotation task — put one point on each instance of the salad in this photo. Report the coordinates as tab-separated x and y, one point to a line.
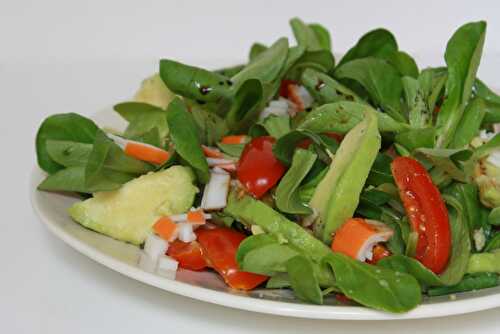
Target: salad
362	177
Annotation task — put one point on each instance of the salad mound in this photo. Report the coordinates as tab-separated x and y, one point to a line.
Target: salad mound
366	178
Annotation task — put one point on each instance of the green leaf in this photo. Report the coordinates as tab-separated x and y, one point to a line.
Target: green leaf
107	164
305	35
432	82
68	127
416	138
404	63
246	106
320	60
460	242
418	115
373	286
278	281
151	137
194	82
230	71
381	171
325	89
287	197
272	125
286	145
268	259
494	217
183	132
491	113
480	89
411	266
233	150
341	117
468	283
142	118
463	54
379	79
376	43
251	243
470	124
493	244
322	35
303	281
449	160
253	212
211	127
267	66
72	179
255	50
68	153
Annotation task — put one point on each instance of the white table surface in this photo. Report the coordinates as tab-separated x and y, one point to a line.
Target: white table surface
80	56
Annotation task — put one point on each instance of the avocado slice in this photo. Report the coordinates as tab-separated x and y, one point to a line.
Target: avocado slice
127	214
337	195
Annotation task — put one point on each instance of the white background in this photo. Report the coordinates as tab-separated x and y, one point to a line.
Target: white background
69	56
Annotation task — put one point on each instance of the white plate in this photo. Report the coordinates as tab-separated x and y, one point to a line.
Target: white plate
206	286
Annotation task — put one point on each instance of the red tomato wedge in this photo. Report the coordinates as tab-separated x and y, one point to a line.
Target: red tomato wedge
284	87
188	254
219	245
258	169
427	212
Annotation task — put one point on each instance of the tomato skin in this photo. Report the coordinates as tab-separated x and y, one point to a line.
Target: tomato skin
219	246
284	92
258	169
426	211
188	254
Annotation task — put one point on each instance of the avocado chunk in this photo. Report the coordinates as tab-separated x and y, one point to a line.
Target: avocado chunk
154	91
337	195
128	213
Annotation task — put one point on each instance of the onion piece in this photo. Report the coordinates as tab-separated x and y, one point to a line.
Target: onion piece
167	267
216	190
154	246
186	232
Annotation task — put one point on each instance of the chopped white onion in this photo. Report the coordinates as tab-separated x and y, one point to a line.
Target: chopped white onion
494	158
276	107
216	190
180	218
383	234
167	267
496	128
186	232
486	136
147	263
155	246
305	97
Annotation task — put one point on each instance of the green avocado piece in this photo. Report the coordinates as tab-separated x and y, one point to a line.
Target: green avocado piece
337	195
128	213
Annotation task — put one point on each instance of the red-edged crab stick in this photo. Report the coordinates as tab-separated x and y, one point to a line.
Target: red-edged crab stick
357	238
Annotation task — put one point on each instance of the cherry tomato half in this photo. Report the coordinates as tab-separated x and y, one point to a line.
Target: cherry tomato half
426	210
219	246
188	254
258	169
